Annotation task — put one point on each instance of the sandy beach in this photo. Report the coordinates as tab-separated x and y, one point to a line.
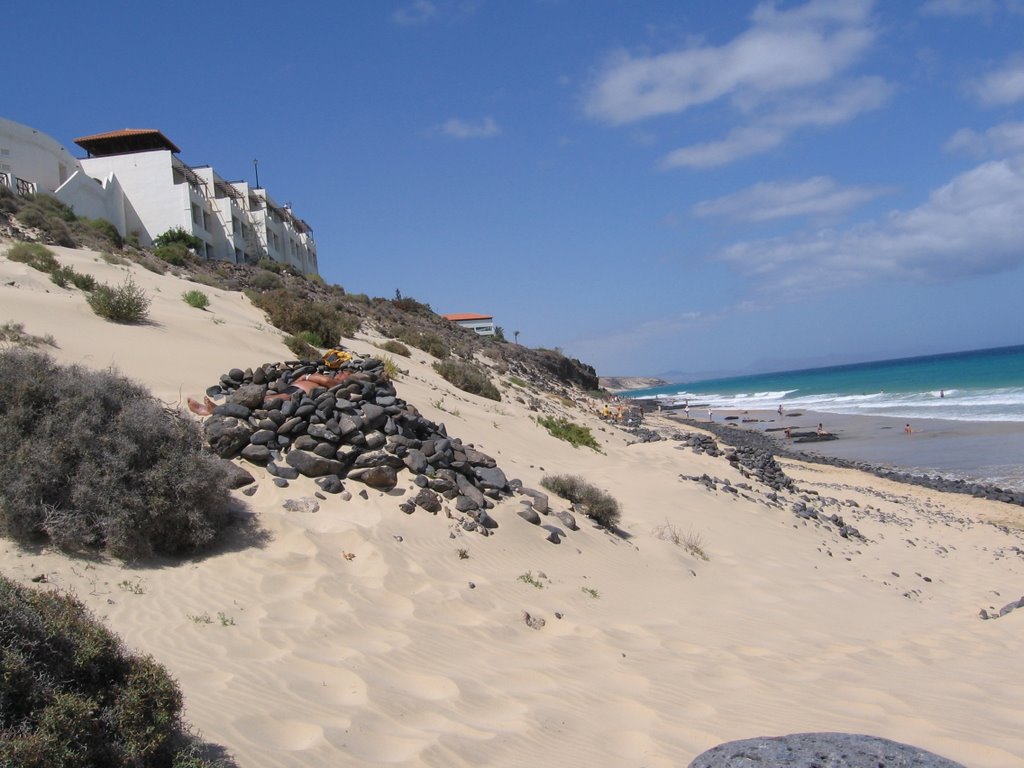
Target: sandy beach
357	635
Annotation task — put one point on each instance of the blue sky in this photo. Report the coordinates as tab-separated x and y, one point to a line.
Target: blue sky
701	187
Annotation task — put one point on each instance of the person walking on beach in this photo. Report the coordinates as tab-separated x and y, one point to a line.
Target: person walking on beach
907	430
821	430
780	409
711	416
686	410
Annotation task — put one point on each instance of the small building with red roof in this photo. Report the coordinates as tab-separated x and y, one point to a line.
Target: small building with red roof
481	324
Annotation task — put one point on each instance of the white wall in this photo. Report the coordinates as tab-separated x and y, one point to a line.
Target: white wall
34	156
148	182
94	198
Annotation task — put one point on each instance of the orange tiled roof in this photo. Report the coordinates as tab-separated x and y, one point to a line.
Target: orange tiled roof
125	140
455	317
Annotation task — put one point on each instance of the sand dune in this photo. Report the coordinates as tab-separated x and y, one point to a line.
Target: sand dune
405	654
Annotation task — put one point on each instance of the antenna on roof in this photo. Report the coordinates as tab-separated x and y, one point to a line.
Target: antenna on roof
256	166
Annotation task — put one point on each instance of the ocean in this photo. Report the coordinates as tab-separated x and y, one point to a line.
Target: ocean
979	385
966	410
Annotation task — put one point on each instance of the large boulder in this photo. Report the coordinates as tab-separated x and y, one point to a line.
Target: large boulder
382	477
226	435
819	750
312	465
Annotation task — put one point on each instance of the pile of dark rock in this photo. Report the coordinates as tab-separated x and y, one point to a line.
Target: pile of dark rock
700	443
762	464
357	429
755	460
642	435
805	512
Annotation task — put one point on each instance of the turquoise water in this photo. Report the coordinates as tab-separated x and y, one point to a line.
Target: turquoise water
978	385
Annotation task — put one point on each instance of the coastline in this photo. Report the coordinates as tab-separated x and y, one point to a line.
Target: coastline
979	453
721	608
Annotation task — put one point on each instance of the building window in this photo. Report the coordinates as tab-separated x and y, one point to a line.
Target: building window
195	214
206	221
209	252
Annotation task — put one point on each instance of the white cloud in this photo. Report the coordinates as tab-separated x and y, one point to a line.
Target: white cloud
416	12
772	129
970	226
1003	86
463	129
1002	139
959	7
818	196
788	70
781	51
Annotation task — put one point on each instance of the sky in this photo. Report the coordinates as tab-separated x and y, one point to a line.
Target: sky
692	188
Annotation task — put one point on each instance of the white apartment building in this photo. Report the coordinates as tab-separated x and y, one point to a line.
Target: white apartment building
134	179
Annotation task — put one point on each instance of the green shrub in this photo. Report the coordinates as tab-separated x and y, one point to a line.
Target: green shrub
127	303
106	230
311	338
196	298
391	369
36	255
110	258
73	695
430	343
269	265
265	281
9	202
467	377
300	348
50	206
63	275
396	348
178	236
569	431
293	313
93	461
589	499
47	214
175	254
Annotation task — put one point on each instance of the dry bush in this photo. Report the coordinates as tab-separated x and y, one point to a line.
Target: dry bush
14	335
73	695
691	541
596	504
93	461
467	377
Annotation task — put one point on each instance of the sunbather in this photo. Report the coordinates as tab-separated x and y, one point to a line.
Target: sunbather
305	384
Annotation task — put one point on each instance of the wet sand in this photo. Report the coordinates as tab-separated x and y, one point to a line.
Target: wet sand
987	452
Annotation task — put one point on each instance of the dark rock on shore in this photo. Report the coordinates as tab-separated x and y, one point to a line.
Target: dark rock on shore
819	750
752	438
